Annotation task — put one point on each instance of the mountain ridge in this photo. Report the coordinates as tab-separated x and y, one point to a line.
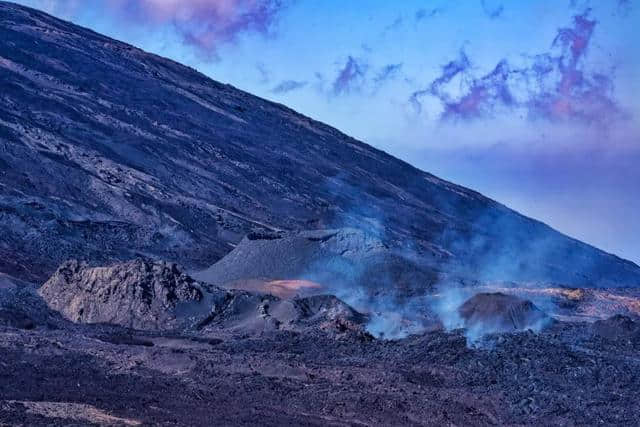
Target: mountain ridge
111	153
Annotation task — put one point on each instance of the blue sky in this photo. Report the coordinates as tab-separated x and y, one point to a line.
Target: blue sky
533	103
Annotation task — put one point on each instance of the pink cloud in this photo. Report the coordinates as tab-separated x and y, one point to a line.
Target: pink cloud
204	24
350	76
558	85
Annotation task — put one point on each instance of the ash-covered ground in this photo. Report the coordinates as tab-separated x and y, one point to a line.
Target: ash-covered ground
204	355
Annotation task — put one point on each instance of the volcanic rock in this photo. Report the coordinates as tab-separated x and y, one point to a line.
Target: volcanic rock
150	295
618	327
251	313
325	312
138	294
498	312
21	307
317	262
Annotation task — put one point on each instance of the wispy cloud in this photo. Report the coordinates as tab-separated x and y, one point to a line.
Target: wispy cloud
416	99
202	24
263	71
577	92
387	72
395	25
483	96
555	85
493	11
449	71
289	86
422	14
351	76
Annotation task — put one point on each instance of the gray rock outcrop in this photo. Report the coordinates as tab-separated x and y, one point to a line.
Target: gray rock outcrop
138	294
498	312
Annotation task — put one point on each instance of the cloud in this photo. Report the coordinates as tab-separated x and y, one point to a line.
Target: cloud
265	75
202	24
449	71
351	76
288	86
355	77
415	99
63	9
577	92
422	14
483	96
624	7
624	3
492	11
556	86
387	72
395	25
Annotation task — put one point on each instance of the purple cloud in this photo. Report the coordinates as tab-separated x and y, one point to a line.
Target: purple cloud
387	72
424	13
449	72
578	93
203	24
492	12
351	77
288	86
415	99
483	96
556	86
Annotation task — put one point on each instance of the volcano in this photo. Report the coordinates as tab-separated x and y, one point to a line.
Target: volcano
109	153
175	251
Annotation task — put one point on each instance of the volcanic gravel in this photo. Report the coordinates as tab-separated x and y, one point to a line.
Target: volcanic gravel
564	376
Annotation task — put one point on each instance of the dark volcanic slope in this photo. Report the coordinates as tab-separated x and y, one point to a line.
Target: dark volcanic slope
107	152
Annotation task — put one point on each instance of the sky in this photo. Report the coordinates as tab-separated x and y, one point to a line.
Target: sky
533	103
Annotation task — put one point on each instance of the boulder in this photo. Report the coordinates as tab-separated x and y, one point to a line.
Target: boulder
616	328
498	312
138	294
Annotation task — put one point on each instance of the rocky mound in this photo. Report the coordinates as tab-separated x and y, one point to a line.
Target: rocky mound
498	312
159	296
251	313
317	262
138	294
573	304
618	328
325	312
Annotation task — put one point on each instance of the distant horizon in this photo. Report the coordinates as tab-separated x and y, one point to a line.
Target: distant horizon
531	104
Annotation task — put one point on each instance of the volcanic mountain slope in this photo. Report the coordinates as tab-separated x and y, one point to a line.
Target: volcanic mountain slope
107	152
